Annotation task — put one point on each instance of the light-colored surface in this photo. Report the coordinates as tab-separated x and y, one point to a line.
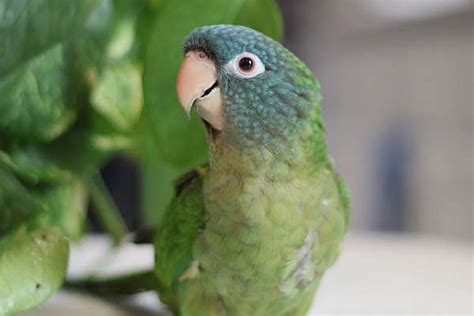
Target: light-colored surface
394	274
72	304
375	274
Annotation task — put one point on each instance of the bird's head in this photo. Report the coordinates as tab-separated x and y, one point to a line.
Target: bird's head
249	90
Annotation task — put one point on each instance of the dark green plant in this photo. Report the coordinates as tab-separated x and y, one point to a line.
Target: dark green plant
81	81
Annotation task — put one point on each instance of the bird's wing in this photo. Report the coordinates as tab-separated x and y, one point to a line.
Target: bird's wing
344	198
181	223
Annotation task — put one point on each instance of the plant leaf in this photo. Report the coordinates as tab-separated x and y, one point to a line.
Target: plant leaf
32	268
65	207
261	15
158	180
16	202
118	95
32	104
30	165
82	151
27	28
40	203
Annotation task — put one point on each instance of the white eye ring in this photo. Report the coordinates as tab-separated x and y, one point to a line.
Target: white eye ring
246	65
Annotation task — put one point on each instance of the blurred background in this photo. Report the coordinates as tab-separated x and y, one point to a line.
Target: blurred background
397	82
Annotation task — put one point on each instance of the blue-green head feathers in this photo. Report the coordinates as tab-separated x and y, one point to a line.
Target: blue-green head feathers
270	109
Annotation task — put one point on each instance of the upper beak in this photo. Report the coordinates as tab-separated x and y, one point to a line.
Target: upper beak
196	85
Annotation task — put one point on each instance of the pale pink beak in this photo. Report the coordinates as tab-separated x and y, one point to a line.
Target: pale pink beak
196	85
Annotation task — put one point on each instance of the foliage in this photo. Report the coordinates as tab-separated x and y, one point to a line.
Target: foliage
80	81
47	249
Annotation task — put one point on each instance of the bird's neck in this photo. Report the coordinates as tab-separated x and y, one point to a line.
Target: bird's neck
306	151
252	163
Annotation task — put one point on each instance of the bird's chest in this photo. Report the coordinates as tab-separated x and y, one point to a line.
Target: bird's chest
259	231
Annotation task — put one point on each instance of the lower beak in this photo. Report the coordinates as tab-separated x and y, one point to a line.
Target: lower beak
197	86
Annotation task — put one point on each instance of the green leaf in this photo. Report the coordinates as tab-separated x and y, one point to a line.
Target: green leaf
30	165
5	239
27	28
65	207
85	51
261	15
118	95
16	202
123	38
40	204
32	268
145	19
32	104
82	151
157	182
180	144
85	55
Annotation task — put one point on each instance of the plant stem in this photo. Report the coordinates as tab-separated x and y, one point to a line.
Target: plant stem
106	210
122	285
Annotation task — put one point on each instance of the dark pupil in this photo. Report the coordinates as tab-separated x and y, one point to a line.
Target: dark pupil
246	64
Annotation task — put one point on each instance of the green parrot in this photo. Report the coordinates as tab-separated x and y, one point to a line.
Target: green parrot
254	232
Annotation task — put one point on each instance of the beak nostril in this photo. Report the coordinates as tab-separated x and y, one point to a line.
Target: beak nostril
202	55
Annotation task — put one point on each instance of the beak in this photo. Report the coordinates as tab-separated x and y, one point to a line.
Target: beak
197	86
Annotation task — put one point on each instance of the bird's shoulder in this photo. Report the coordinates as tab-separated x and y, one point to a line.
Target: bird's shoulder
181	223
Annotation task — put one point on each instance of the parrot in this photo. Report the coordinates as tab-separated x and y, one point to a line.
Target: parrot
253	232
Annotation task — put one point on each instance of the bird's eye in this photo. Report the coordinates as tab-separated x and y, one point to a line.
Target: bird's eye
246	65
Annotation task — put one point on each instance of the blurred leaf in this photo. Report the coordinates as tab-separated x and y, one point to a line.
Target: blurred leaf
5	239
118	95
145	18
85	55
102	76
123	38
82	151
261	15
180	144
65	207
63	204
16	203
30	165
157	183
86	49
27	28
99	20
32	104
32	268
108	33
